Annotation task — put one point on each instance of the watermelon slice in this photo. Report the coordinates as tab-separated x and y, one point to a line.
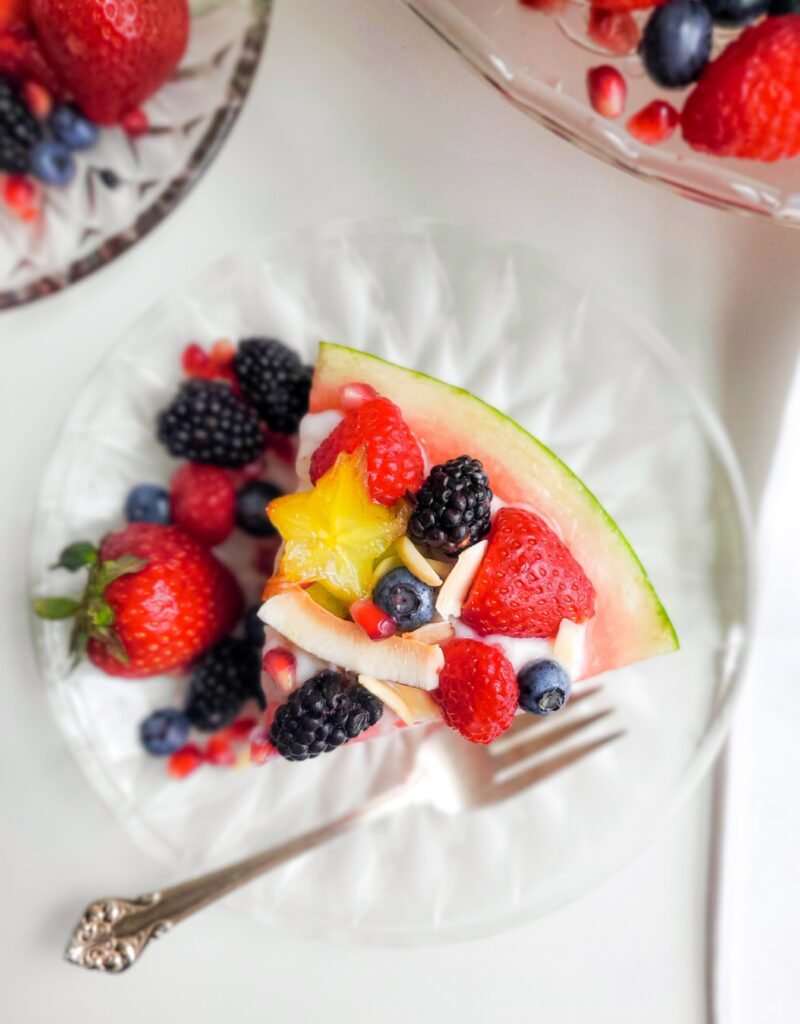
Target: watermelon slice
629	623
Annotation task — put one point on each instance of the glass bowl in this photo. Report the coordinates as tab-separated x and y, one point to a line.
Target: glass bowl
539	61
593	382
88	224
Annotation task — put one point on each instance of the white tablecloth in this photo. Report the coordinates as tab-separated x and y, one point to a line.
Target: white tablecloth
359	110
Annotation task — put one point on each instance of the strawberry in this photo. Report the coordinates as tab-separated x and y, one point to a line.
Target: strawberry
13	13
478	690
112	56
527	582
154	601
747	103
394	459
203	501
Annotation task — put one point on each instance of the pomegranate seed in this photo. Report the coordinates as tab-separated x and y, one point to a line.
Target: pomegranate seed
351	396
654	123
283	446
240	729
607	90
184	761
196	362
222	353
281	666
21	197
548	6
219	751
261	749
37	99
135	123
615	31
373	620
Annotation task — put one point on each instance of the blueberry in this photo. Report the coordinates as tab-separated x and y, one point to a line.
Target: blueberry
73	129
544	687
147	503
164	732
736	12
676	44
409	601
52	163
254	627
251	508
784	7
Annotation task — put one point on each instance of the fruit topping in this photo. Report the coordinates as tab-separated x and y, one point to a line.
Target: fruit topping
274	381
351	396
376	623
206	422
413	559
52	163
736	12
251	507
676	44
325	599
432	633
654	123
185	761
410	704
453	508
155	599
223	680
324	713
165	731
72	129
607	91
393	457
334	533
407	600
616	31
281	666
450	599
148	503
477	690
544	687
527	582
219	751
568	646
203	499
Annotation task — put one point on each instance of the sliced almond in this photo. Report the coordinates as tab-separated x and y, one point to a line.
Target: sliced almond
455	588
385	566
410	704
432	633
416	562
568	646
441	568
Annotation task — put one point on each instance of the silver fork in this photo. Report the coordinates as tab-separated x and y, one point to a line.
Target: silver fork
447	773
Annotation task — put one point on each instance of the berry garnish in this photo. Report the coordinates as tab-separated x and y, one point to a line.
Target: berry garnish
220	752
52	163
736	12
203	500
16	120
73	129
251	508
324	713
147	503
281	666
654	123
352	396
196	362
408	601
615	31
135	123
185	761
676	44
206	422
453	508
223	680
394	460
544	687
527	582
254	627
275	382
163	732
20	195
607	91
376	623
477	690
38	99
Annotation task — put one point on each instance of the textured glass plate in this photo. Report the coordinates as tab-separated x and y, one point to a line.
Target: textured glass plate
539	61
87	225
592	382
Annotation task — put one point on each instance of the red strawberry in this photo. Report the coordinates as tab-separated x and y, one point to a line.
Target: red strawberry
747	103
21	58
155	600
478	690
112	56
394	459
527	582
203	501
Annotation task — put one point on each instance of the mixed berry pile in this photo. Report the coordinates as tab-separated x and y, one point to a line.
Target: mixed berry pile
68	68
740	60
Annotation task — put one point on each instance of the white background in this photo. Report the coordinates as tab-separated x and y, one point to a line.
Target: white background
359	110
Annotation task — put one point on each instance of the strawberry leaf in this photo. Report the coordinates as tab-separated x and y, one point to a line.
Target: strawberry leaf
76	556
55	608
110	571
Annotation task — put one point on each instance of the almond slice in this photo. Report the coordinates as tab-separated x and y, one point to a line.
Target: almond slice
432	633
410	704
416	562
455	588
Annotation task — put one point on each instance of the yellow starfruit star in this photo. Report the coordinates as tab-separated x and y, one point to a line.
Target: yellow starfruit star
333	533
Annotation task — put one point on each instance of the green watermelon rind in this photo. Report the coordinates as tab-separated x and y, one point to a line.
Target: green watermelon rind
659	625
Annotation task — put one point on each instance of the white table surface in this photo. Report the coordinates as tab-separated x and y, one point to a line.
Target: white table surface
360	111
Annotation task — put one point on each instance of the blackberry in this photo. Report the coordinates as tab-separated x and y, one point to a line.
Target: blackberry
325	712
206	422
14	156
16	121
274	381
224	679
453	509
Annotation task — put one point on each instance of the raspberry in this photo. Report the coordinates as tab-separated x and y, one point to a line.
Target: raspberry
478	690
394	459
747	103
527	582
203	501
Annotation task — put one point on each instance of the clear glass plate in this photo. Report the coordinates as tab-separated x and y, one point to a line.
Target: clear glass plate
597	385
87	225
539	62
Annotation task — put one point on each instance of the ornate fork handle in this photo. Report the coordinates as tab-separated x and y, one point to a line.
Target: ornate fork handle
113	932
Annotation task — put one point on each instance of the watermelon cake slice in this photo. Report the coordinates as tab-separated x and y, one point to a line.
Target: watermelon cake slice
438	562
